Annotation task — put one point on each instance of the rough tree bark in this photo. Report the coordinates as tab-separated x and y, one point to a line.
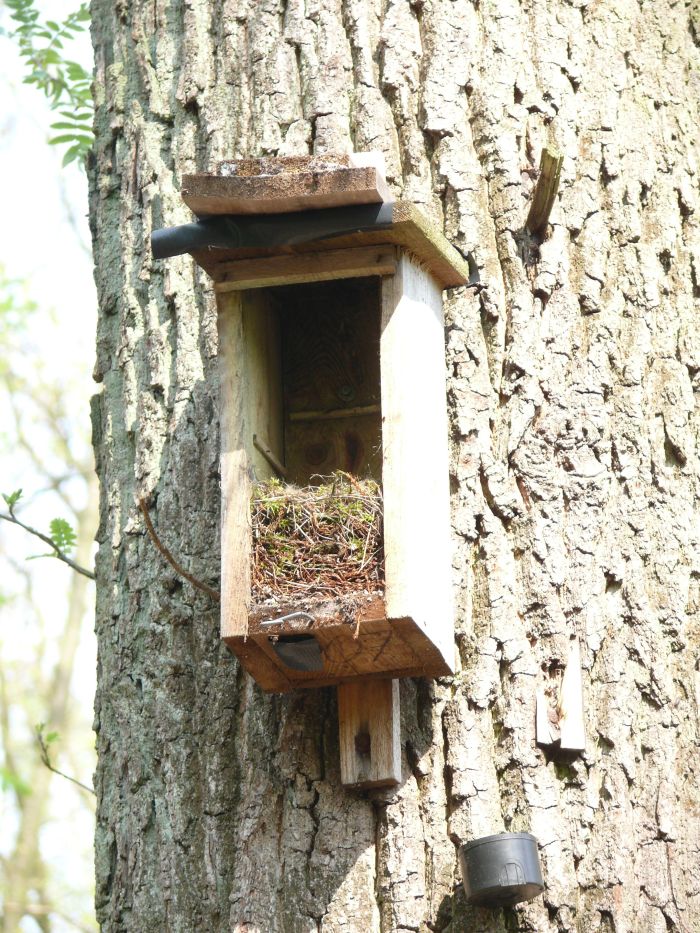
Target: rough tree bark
572	372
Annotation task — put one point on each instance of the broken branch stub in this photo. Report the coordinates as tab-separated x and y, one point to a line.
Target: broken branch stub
545	191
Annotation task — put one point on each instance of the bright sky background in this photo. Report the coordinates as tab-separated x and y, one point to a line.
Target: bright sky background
44	241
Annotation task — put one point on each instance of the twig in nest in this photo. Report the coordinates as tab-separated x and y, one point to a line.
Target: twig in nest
214	594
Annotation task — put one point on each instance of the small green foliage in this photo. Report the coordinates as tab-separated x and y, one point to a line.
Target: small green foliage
12	498
65	83
11	781
62	535
45	738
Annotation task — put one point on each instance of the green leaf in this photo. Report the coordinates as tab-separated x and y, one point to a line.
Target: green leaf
10	780
51	737
62	534
76	127
71	155
66	83
78	115
13	498
70	138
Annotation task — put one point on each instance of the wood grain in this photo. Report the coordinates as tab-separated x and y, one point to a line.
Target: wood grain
357	642
250	399
307	267
572	727
369	720
285	192
235	472
415	471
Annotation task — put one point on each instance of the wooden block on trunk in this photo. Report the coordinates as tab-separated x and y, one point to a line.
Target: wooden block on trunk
561	728
571	715
369	720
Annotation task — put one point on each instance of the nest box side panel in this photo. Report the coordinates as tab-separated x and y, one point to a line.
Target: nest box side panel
250	408
415	474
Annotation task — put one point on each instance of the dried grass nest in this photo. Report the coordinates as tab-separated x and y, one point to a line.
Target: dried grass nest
317	541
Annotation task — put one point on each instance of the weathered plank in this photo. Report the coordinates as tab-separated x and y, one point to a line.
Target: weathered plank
572	726
369	720
235	474
357	642
285	192
415	472
306	267
251	405
274	165
563	728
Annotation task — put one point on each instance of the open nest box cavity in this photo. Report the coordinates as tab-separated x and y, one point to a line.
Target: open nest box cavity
331	347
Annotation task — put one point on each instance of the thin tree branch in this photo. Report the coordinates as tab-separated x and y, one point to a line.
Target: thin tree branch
46	910
12	518
47	761
214	594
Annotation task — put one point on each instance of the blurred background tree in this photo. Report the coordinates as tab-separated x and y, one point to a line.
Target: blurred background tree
47	306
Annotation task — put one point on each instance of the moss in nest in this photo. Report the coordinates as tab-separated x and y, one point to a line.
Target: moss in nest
316	541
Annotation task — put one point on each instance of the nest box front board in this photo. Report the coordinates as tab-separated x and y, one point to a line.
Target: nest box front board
331	354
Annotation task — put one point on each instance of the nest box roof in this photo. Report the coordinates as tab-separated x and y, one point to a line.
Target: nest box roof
285	206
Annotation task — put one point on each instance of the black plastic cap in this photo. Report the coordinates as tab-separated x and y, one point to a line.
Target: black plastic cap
501	870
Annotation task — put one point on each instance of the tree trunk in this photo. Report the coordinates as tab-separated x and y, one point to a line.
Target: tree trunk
571	373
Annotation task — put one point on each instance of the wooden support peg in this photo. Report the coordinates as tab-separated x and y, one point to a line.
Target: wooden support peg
369	718
572	728
545	191
547	726
562	728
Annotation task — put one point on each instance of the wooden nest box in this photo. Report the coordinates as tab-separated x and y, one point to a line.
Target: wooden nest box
331	347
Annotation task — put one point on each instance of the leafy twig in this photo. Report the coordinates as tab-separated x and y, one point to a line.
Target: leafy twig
65	83
63	535
214	594
44	742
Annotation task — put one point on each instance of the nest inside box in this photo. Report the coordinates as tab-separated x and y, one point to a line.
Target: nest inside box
313	542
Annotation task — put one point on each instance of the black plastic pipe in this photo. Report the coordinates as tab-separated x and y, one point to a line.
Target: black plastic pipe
228	231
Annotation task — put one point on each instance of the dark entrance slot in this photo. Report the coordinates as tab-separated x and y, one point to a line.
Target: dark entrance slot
329	339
